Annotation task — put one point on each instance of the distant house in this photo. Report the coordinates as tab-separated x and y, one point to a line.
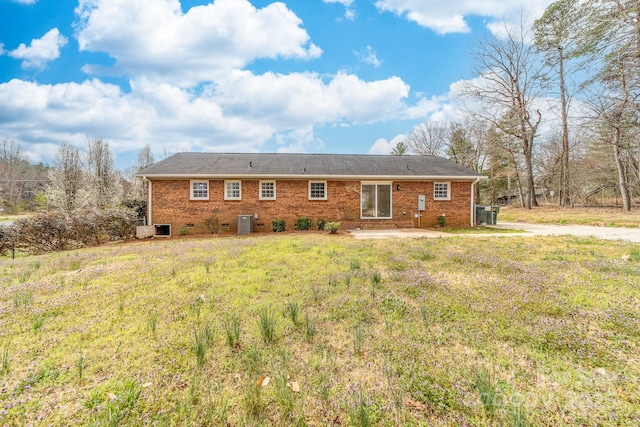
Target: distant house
360	191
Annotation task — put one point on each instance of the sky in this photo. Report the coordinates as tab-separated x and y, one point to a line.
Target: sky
314	76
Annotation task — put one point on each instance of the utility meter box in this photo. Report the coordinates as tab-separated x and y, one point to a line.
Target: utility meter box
422	202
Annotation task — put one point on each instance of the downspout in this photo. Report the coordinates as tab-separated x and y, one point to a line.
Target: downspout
472	211
149	209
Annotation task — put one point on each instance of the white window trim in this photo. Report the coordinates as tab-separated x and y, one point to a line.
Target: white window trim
326	190
448	190
266	181
376	183
226	194
193	181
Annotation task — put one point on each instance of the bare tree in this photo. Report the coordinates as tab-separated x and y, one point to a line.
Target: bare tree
428	139
10	159
68	182
20	180
613	43
106	185
145	159
467	144
555	34
509	71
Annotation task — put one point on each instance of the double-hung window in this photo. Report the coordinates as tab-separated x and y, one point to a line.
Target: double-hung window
199	190
375	200
233	190
317	190
441	191
267	190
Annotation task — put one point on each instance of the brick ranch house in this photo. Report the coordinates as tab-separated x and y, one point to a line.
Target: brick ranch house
359	191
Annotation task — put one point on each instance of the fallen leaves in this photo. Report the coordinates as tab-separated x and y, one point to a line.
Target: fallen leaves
263	381
295	387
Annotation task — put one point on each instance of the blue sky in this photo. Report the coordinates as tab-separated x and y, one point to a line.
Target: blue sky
318	76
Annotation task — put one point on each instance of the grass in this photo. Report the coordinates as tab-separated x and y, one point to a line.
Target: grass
481	332
605	217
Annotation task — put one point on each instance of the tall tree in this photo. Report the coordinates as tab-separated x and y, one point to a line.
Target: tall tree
20	180
138	189
467	144
509	72
428	139
145	157
555	34
10	162
68	182
400	149
612	45
106	185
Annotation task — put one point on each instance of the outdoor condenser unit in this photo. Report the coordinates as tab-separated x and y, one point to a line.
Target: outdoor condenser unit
245	224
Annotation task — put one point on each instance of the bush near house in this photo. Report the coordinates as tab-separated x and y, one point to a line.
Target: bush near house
278	225
303	224
332	227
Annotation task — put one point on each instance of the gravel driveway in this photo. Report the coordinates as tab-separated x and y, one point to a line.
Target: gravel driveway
610	233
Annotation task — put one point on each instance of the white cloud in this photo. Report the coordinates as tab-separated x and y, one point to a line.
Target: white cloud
346	3
446	16
41	50
155	39
424	107
349	13
298	141
382	146
369	56
239	113
298	99
27	2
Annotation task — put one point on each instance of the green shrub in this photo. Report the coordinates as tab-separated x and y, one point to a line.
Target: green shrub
303	224
332	227
278	225
321	222
442	220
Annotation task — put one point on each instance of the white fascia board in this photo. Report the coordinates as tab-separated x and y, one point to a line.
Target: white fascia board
321	177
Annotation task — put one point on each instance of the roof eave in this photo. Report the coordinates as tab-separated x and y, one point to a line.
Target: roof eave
317	177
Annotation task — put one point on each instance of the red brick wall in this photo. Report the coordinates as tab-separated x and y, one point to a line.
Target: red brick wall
171	205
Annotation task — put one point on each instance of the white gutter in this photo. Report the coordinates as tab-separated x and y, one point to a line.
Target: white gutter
319	177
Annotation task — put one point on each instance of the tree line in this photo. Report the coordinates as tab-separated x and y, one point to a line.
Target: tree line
77	179
553	108
82	198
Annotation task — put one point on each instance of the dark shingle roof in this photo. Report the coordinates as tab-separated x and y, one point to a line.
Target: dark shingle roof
210	165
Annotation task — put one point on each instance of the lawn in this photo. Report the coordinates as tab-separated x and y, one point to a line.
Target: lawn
605	217
311	329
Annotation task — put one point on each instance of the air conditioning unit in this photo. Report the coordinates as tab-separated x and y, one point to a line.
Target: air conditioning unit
245	224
